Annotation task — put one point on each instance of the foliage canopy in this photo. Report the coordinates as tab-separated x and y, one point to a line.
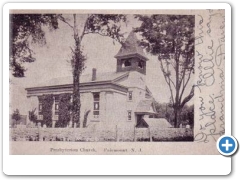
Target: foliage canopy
171	39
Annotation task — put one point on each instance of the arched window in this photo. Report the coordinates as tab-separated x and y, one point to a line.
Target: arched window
127	63
140	64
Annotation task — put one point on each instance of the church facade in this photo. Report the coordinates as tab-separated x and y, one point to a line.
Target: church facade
119	97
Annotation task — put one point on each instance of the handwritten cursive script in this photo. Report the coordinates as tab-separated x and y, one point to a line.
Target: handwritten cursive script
210	58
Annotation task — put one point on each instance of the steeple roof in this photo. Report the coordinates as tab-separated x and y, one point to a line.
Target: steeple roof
131	48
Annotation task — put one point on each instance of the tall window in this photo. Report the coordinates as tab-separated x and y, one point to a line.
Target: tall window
129	115
130	95
56	105
40	108
96	99
40	114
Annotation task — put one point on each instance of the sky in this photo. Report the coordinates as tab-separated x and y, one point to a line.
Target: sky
52	60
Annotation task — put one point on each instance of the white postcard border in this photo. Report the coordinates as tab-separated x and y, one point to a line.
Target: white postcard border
114	164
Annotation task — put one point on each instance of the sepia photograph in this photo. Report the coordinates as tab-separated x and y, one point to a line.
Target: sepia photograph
101	77
143	78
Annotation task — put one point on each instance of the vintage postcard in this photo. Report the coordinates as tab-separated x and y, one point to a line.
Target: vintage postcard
116	82
140	77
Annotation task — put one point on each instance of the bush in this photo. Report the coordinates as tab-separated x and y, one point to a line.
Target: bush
32	116
47	104
64	115
16	115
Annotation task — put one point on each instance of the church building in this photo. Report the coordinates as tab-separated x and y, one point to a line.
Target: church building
119	97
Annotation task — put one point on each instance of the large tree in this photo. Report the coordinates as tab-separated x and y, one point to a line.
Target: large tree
27	28
24	30
102	24
171	39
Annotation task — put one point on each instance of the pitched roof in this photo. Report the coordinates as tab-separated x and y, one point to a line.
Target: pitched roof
158	122
108	76
131	47
146	106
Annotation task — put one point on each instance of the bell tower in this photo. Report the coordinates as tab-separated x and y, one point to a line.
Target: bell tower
131	56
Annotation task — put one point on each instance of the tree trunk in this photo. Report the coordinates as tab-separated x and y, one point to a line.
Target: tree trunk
76	76
85	119
176	106
176	117
76	96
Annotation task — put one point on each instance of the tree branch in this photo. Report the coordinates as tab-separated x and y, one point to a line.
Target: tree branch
64	20
188	98
184	85
165	77
170	80
96	33
183	76
84	28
